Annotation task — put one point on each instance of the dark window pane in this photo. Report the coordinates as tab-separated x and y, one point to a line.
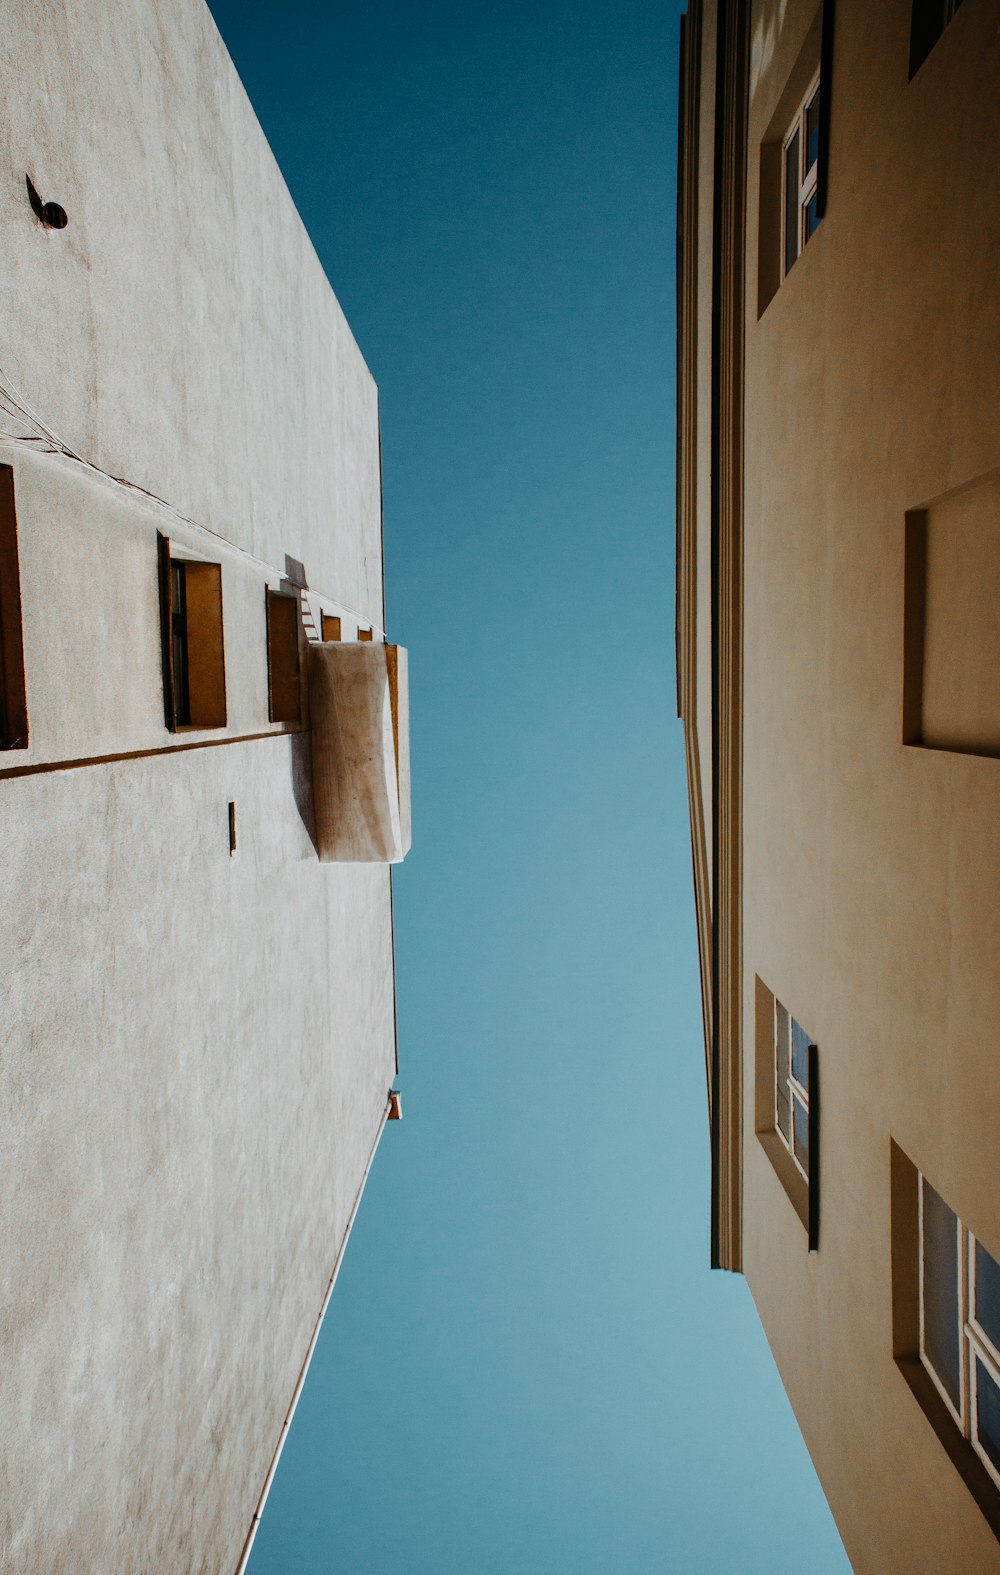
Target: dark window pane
988	1414
942	1336
988	1294
784	1111
791	201
800	1055
781	1066
812	131
801	1119
812	217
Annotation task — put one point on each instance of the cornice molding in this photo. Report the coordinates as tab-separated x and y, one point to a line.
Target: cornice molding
685	627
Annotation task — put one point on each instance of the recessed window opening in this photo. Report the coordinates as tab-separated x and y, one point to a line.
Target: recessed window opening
786	1105
284	681
791	1087
799	177
960	1324
194	662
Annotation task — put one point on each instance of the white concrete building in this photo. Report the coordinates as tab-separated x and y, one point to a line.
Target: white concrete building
199	799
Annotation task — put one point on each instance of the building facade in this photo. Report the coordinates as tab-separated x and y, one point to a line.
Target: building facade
203	783
838	642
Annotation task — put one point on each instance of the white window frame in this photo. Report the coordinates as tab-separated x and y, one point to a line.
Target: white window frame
795	1091
974	1341
808	179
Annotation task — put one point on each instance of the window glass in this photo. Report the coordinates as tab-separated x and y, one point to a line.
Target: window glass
812	217
791	201
988	1294
940	1282
801	1118
784	1111
812	131
800	1055
988	1414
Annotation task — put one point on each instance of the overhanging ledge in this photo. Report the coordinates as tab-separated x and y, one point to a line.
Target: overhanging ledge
360	723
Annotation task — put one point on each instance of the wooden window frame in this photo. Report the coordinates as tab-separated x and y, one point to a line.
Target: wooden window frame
284	656
205	644
808	178
13	689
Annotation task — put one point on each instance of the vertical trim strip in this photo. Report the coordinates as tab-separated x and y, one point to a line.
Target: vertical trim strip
728	314
814	1168
163	572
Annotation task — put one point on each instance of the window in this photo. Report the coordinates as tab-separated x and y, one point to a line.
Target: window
799	177
951	634
13	697
284	685
331	626
960	1324
791	1086
194	663
946	1328
787	1105
928	20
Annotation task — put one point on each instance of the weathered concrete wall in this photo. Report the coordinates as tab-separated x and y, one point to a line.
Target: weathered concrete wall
180	332
195	1048
872	869
196	1053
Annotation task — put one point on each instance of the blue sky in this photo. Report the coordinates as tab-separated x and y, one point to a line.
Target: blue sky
527	1367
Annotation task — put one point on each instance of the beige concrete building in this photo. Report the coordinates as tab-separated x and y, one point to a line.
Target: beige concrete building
838	643
203	783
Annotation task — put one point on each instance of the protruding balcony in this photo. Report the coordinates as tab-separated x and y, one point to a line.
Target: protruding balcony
360	719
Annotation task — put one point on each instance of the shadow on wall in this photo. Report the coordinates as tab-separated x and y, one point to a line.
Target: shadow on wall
300	756
300	751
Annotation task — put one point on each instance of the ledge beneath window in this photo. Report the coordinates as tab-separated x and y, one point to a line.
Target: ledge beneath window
960	1452
788	1174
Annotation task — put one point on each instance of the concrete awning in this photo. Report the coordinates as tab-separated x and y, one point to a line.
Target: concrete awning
360	720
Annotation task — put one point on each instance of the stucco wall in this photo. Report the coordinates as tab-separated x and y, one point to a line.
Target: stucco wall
195	1048
872	869
180	332
196	1052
